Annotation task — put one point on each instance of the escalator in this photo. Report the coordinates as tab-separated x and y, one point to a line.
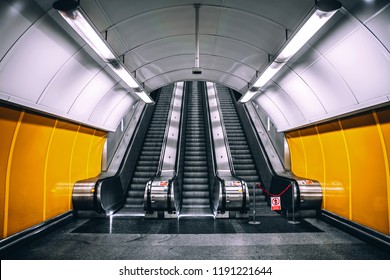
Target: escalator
149	156
243	162
195	188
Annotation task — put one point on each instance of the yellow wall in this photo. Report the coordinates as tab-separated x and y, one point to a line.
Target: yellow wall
40	160
350	157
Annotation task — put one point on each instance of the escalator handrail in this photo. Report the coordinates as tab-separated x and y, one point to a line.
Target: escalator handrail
181	136
164	144
225	138
211	140
288	175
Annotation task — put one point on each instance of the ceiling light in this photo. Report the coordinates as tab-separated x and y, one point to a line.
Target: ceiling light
325	9
76	18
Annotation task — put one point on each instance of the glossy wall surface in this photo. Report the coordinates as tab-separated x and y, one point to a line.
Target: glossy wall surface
350	157
40	160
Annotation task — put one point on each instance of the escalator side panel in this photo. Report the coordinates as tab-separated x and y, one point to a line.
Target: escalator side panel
149	156
240	150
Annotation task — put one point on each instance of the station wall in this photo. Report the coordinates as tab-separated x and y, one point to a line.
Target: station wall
40	160
350	157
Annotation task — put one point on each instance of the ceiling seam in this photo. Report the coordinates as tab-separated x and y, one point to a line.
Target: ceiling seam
264	18
188	54
204	34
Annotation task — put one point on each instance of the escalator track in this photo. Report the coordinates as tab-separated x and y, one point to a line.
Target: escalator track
242	157
195	189
149	156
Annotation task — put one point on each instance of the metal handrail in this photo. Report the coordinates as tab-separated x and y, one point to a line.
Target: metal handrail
180	142
211	142
164	144
225	138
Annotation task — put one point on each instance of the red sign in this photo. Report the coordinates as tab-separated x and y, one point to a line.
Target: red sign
275	203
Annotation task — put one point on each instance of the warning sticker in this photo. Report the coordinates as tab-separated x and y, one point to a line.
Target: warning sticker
232	183
275	203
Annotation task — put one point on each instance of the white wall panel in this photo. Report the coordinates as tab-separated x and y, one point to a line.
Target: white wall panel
13	24
69	81
328	86
302	95
272	110
107	103
89	98
119	111
285	104
34	60
379	25
364	65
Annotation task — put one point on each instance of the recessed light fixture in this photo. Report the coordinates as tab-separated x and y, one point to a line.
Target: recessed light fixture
325	9
72	13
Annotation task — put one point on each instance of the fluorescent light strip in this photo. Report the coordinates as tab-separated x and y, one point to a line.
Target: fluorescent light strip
311	26
80	23
124	75
248	96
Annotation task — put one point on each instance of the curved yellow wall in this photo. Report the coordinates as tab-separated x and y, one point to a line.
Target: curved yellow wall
40	160
350	157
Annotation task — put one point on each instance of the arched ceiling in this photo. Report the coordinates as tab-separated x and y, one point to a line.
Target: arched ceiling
157	38
46	66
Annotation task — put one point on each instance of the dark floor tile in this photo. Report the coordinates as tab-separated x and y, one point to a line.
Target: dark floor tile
277	224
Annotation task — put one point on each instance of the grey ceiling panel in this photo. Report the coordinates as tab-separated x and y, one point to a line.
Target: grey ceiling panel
186	74
241	51
187	61
282	12
257	31
157	25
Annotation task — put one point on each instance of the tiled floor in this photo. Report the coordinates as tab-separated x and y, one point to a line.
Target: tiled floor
146	239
